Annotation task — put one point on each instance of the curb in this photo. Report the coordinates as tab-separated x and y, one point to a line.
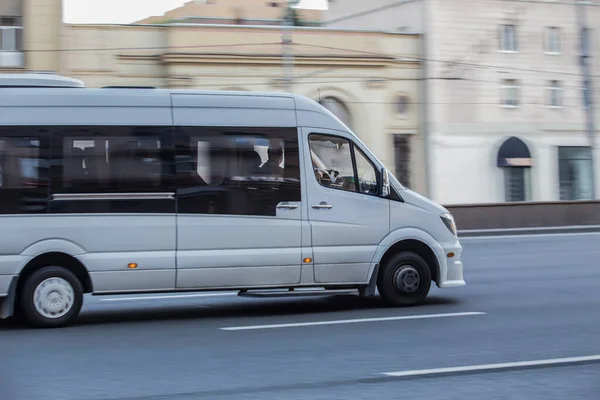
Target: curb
550	230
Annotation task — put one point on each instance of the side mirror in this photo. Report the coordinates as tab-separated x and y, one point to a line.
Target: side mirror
385	178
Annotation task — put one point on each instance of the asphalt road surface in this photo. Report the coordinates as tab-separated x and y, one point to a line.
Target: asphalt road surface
526	326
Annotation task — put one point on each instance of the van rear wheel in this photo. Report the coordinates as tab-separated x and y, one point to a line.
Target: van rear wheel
51	297
405	280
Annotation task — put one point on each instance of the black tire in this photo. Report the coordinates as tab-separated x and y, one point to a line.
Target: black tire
404	292
35	318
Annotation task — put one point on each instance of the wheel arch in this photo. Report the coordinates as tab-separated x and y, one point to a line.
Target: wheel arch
416	246
58	259
410	239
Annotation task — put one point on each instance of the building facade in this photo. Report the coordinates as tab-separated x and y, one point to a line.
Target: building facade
30	35
505	117
369	79
11	35
333	66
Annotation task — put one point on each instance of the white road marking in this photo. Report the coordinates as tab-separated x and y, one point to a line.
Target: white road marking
488	367
175	296
532	235
349	321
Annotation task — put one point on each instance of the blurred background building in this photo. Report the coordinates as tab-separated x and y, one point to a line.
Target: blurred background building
504	111
369	78
499	118
30	35
239	12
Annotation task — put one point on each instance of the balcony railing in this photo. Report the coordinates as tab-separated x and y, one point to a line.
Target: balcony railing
12	59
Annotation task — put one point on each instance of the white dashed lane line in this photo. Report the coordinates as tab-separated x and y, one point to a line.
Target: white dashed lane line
495	367
349	321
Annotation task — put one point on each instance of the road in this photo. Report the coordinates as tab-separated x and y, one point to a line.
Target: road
527	299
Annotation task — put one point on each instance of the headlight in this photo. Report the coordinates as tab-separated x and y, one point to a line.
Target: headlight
448	220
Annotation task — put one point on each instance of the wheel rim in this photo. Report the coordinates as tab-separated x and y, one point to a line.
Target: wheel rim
407	279
54	297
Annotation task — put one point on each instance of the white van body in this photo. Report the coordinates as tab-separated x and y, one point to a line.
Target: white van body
135	190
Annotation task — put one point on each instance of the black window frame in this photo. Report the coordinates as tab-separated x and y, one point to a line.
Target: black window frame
378	172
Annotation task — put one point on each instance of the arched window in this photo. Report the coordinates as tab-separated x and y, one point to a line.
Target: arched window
338	109
515	159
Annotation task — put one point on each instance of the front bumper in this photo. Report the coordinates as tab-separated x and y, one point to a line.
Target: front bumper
451	267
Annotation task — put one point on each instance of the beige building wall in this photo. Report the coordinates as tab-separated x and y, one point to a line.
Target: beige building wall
232	10
362	70
42	34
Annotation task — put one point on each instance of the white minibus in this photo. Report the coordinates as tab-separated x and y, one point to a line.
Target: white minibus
141	190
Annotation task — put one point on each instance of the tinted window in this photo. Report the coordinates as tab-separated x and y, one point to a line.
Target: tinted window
107	160
24	171
236	172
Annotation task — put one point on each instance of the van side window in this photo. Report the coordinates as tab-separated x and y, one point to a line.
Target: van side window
236	172
366	172
24	175
88	162
96	161
338	164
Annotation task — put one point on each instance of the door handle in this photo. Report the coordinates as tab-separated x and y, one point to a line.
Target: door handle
322	205
288	206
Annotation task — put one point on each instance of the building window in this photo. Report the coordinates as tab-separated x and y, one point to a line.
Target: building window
402	102
11	43
586	41
402	158
510	93
554	94
552	42
515	160
10	34
517	184
508	38
575	173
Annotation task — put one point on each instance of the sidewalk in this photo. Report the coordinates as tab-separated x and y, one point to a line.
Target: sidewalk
529	231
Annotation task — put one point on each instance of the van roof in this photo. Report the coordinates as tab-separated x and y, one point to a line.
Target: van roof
39	80
51	80
55	91
48	81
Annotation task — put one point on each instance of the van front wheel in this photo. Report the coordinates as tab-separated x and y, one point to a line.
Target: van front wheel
51	297
405	280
